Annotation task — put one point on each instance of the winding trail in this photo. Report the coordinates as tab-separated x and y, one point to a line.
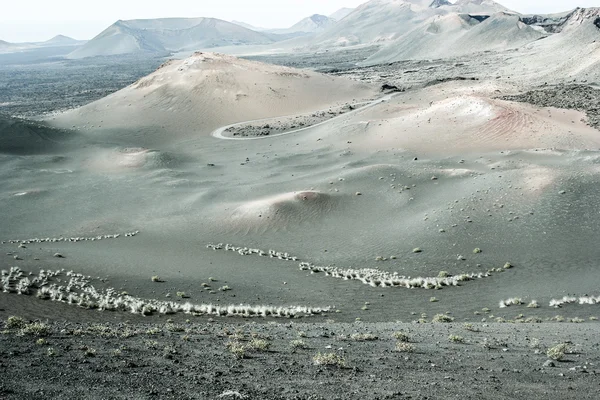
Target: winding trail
219	133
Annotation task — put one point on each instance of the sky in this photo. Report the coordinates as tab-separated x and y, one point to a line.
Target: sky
39	20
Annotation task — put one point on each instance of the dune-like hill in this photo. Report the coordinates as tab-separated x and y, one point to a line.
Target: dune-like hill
457	35
168	35
191	97
385	20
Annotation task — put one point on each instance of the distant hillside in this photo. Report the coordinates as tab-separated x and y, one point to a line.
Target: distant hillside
163	36
313	24
573	52
479	6
380	21
455	35
248	26
57	41
61	40
341	14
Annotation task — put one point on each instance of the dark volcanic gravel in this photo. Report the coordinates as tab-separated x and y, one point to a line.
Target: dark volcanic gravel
195	361
578	97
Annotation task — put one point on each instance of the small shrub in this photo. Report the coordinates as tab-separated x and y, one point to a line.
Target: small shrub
237	349
477	250
443	274
259	345
533	304
89	352
50	352
174	327
14	322
156	278
224	288
41	342
508	265
417	250
558	352
35	329
433	300
239	335
362	337
401	337
577	320
456	339
404	347
182	295
470	327
442	318
298	344
329	359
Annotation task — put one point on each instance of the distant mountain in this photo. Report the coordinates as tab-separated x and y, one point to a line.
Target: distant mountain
167	35
248	26
381	21
440	3
61	40
454	35
574	50
479	7
341	14
376	21
313	24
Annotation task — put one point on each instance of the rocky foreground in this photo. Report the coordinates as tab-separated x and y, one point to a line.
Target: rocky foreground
437	359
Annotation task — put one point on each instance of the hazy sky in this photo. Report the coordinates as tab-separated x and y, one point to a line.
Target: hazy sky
37	20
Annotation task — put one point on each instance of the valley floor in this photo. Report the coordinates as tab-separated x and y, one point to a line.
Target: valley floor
467	197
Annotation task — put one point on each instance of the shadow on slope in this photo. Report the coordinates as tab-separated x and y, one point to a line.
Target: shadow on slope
19	136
